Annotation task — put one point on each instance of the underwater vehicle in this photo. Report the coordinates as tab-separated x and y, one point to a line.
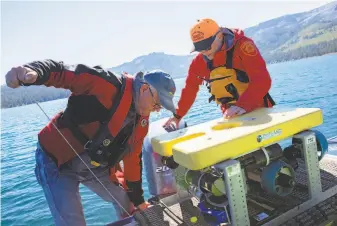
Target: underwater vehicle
267	167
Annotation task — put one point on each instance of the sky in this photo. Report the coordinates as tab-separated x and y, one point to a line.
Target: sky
110	33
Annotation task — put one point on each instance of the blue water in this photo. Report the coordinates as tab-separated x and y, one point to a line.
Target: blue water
304	83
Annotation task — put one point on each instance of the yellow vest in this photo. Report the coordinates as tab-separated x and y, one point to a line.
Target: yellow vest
226	86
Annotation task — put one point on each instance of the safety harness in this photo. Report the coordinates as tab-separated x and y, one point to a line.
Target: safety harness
108	146
226	84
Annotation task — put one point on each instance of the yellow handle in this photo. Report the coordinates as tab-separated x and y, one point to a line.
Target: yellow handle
95	163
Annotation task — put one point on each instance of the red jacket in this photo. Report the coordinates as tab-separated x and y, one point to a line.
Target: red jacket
247	58
94	91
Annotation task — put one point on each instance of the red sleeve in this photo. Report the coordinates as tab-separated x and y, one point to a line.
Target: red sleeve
133	163
133	174
259	78
78	78
192	83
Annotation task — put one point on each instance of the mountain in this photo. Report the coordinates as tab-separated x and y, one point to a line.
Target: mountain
297	32
176	66
31	94
289	37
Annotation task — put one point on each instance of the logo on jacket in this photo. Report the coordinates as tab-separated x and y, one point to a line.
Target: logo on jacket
248	48
106	142
143	123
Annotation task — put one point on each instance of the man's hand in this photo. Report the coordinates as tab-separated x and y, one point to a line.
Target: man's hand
233	111
171	124
144	205
19	75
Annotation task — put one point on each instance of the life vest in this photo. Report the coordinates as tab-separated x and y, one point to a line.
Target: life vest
226	84
109	144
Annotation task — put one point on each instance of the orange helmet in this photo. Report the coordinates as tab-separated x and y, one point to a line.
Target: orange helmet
203	34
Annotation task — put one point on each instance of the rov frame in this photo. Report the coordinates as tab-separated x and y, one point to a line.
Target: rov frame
235	191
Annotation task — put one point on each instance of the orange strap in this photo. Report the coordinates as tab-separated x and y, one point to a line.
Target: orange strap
121	112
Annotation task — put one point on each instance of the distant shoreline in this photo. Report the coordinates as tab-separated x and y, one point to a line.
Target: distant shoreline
59	94
277	62
330	53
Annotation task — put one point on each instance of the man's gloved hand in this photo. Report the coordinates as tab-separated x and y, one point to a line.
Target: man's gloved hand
144	205
233	111
171	124
18	75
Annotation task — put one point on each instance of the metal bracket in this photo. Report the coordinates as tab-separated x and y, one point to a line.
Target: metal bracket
235	191
302	208
309	151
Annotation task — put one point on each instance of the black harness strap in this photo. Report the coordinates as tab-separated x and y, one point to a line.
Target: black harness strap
267	98
65	122
241	76
229	58
100	135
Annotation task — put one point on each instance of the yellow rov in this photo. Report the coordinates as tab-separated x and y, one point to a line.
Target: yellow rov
233	164
209	143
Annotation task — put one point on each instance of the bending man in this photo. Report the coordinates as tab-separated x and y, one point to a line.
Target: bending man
105	121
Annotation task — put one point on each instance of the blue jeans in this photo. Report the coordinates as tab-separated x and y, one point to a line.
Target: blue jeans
61	188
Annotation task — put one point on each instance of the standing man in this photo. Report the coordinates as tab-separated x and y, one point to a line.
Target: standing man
105	121
231	66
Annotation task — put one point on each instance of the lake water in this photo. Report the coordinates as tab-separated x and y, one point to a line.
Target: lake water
304	83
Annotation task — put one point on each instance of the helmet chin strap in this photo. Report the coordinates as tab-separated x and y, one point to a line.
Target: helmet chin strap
222	43
218	48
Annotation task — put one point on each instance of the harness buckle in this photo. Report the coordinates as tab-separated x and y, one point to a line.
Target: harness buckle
87	145
87	148
95	163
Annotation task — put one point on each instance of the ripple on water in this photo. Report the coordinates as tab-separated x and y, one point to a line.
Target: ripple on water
306	83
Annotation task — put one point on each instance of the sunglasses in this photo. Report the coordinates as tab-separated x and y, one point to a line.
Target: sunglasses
210	46
156	105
